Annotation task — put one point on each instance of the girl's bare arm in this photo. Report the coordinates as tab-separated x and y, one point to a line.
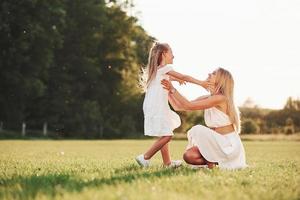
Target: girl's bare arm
188	79
172	78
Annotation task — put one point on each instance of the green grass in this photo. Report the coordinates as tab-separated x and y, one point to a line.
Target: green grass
106	170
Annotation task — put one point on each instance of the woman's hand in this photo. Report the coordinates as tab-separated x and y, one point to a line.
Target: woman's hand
167	85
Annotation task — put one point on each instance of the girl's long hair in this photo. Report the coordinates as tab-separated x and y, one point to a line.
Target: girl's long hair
225	86
154	60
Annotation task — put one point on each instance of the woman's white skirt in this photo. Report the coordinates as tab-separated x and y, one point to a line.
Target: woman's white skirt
227	150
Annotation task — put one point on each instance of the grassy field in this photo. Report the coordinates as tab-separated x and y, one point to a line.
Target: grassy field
106	170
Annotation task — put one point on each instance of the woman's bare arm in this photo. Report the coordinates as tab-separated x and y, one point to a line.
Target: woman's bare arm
175	104
201	97
199	104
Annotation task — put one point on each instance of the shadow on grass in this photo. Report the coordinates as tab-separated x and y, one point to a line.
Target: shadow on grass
56	184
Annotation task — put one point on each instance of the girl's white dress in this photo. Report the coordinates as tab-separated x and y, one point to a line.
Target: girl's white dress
159	119
227	150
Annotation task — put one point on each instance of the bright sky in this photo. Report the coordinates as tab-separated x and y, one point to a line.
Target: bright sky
258	41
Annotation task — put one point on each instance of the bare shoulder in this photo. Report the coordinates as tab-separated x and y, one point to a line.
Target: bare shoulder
221	102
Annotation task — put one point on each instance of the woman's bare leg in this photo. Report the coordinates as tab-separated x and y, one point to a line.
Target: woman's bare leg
210	165
165	154
193	156
158	144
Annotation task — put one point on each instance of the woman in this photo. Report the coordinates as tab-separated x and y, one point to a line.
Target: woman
219	143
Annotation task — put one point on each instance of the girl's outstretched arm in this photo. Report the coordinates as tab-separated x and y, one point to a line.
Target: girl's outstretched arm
188	78
172	78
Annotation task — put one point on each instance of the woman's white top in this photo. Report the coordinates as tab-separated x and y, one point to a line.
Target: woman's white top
216	118
159	119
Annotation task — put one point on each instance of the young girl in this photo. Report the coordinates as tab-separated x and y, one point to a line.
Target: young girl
160	120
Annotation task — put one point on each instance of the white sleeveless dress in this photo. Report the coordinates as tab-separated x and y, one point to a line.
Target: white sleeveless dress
159	119
227	150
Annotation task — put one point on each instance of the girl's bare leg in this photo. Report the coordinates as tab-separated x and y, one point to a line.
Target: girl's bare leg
193	156
165	154
158	144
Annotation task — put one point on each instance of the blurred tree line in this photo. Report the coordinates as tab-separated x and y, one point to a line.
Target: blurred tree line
71	64
286	120
72	67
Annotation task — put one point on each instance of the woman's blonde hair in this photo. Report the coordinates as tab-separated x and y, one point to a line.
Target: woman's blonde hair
225	85
154	60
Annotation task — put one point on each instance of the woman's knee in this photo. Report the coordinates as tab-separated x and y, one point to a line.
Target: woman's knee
195	131
196	128
187	157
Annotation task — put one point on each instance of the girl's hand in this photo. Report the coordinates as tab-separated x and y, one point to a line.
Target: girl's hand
181	82
208	85
167	85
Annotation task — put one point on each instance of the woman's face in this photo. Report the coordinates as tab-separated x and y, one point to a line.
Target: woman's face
168	56
212	77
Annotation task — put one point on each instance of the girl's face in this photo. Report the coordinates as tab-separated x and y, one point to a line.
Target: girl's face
168	56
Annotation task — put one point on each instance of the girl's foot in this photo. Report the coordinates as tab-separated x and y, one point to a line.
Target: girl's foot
142	161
